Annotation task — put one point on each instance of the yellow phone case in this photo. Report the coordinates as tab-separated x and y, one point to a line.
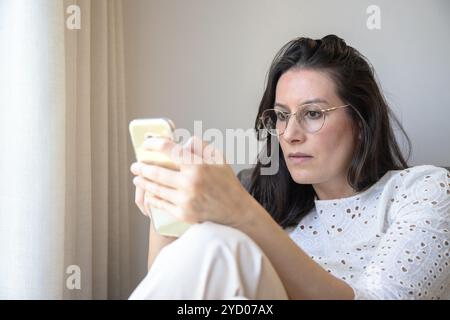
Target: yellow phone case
141	129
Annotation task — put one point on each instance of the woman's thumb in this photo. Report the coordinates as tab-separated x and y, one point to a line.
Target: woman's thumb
204	150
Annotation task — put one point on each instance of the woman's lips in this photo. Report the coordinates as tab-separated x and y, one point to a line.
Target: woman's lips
299	159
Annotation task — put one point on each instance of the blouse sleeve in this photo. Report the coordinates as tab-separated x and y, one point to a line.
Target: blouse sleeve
412	258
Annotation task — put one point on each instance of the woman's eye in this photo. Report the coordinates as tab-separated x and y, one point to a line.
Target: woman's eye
312	114
282	116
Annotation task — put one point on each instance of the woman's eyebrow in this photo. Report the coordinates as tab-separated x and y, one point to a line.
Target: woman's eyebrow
281	106
315	100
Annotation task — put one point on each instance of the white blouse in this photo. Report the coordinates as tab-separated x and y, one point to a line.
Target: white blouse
391	241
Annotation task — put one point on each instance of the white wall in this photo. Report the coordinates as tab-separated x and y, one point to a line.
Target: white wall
207	60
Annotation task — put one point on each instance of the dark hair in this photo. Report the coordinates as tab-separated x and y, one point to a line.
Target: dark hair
376	153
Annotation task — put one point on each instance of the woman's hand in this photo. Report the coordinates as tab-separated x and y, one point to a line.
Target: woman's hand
205	188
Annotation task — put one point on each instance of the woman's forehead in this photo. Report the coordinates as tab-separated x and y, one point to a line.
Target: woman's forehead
297	87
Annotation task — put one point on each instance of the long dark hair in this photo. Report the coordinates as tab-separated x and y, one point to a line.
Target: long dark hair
375	153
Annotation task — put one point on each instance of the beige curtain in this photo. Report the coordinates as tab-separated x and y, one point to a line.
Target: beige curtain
64	171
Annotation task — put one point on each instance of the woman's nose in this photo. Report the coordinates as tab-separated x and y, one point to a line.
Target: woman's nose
293	131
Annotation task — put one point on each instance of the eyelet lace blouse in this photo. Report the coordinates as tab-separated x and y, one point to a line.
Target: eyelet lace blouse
391	241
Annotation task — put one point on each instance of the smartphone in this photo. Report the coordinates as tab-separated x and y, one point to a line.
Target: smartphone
140	130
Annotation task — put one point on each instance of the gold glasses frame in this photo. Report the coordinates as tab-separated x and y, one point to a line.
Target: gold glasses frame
289	115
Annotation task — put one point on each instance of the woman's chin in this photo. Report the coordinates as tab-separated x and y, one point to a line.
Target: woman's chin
302	176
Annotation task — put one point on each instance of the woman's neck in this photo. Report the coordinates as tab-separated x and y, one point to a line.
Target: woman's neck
333	189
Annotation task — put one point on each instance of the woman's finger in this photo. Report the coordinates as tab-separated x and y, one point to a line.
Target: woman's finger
205	150
153	201
163	176
139	199
170	195
135	168
147	195
175	211
171	150
196	145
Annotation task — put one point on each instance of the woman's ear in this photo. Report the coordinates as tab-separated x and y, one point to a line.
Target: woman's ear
359	130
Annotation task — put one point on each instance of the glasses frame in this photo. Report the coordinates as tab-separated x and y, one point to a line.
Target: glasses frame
289	115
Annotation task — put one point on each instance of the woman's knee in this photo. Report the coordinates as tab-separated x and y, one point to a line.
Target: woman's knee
208	232
209	236
216	260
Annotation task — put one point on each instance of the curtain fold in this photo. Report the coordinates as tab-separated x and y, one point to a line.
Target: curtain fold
97	100
63	139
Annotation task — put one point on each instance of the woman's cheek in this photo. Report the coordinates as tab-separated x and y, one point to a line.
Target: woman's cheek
328	150
338	149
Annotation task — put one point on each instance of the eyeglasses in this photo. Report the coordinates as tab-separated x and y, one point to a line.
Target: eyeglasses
311	118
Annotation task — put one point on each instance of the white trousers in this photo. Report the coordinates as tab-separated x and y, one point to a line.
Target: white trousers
211	261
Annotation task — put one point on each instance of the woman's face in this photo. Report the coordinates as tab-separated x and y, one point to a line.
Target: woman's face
332	146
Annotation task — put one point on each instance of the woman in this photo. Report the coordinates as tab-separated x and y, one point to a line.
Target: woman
343	218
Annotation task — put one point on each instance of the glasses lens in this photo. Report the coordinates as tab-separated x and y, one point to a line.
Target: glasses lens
274	121
311	118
